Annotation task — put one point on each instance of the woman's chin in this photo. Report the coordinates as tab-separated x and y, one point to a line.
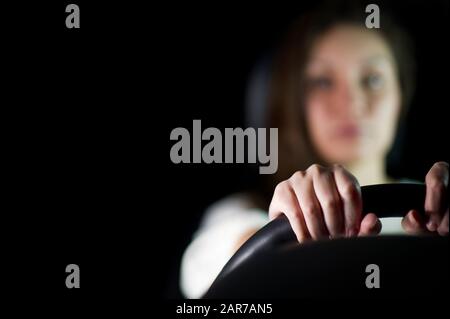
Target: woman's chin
346	153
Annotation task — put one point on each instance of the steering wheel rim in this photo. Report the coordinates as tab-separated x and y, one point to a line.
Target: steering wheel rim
277	237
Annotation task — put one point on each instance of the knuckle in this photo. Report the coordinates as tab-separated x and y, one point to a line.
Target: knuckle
281	187
309	209
347	177
329	204
338	168
297	176
350	191
315	169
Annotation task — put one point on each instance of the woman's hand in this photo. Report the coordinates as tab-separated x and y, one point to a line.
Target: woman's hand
436	204
323	202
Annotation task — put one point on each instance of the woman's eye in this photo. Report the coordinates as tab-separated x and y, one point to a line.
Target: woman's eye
373	82
321	83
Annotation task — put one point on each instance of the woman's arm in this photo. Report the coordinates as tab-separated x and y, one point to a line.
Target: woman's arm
225	226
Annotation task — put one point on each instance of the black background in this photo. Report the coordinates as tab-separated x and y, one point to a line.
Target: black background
88	114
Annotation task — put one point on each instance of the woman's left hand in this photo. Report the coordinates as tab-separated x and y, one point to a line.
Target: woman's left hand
436	204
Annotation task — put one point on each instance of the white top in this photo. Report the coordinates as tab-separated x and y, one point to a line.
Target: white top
215	241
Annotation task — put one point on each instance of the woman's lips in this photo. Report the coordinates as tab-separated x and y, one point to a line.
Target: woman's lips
349	131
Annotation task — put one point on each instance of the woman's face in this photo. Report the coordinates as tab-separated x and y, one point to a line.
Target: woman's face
353	96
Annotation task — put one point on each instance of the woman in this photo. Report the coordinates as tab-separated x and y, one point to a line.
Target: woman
337	94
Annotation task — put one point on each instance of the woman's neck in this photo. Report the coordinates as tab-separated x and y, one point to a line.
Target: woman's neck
369	172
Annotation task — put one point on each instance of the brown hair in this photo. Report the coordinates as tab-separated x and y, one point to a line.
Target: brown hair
287	83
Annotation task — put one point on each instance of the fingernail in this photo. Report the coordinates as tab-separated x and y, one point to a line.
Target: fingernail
431	226
352	232
442	230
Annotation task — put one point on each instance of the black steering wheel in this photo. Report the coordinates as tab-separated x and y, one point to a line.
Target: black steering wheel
271	264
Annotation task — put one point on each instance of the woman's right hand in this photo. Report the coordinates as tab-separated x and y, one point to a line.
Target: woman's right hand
323	202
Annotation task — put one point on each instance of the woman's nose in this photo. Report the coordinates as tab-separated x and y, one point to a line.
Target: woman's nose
350	99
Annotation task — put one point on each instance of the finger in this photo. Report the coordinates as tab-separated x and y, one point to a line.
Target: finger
279	198
370	225
350	193
435	199
413	223
285	202
329	200
309	205
443	227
